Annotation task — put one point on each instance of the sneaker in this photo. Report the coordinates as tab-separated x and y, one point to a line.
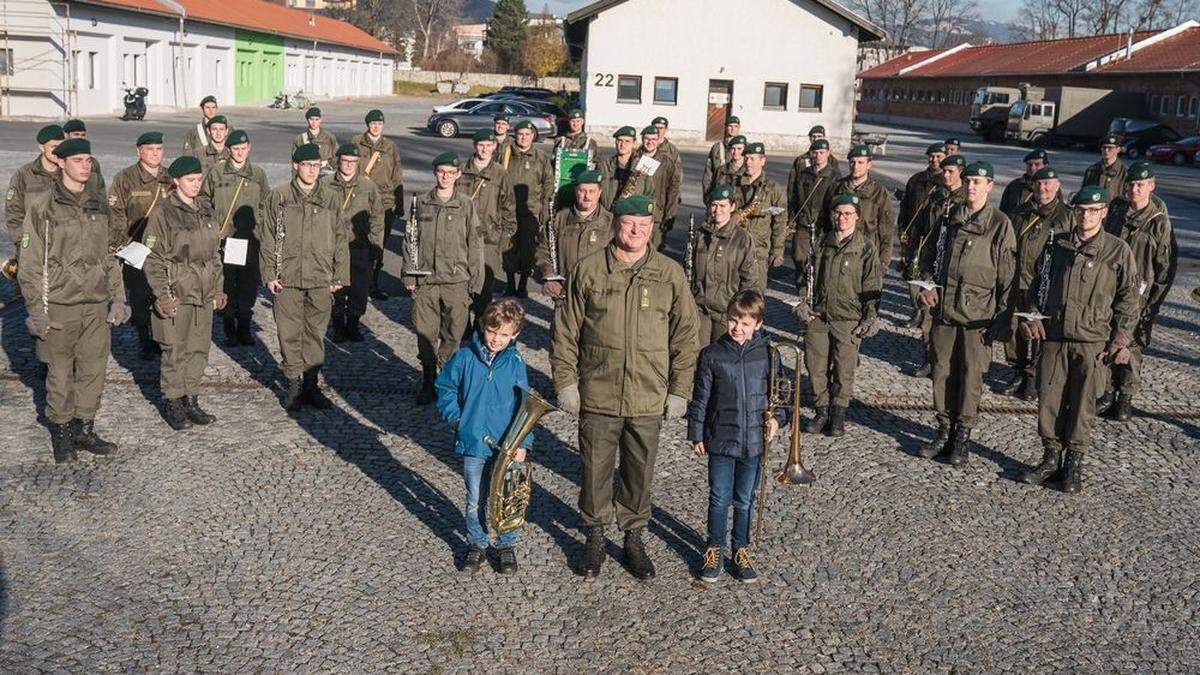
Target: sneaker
710	573
474	559
743	567
508	560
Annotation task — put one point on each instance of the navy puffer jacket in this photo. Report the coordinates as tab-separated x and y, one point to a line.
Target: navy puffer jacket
729	397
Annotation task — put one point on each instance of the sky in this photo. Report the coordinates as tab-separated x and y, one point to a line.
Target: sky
992	10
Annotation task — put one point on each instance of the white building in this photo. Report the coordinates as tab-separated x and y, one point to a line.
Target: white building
781	66
67	59
470	37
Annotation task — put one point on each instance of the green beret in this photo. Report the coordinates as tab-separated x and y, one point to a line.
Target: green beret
953	160
575	114
309	152
50	132
1045	173
935	148
237	137
184	166
736	140
500	118
347	150
637	205
483	135
953	141
375	115
859	151
732	119
216	119
1139	171
627	131
844	199
818	129
980	169
524	124
755	148
207	99
73	146
72	126
591	176
660	120
1110	139
1036	155
312	112
445	159
1090	194
719	192
650	130
150	138
819	144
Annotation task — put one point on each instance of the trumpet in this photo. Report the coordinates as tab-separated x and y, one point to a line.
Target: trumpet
511	485
782	393
9	268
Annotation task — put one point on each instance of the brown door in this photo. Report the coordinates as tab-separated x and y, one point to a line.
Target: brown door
720	103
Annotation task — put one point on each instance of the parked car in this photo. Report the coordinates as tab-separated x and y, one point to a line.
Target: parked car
526	92
1138	135
1178	153
453	123
461	104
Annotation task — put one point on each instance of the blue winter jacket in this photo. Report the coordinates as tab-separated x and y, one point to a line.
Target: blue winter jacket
479	398
729	397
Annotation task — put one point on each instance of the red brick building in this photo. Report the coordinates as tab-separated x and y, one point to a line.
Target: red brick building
935	88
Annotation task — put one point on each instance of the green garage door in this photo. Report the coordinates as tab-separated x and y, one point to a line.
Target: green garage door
258	74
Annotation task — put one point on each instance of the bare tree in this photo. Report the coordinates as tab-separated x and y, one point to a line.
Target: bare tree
1071	12
948	19
1037	20
430	19
898	17
1106	16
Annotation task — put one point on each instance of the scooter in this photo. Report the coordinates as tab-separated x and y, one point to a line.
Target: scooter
281	102
135	103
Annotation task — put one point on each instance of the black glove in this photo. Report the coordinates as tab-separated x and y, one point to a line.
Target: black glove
802	312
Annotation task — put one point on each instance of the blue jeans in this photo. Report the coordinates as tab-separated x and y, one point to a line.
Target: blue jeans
731	481
477	473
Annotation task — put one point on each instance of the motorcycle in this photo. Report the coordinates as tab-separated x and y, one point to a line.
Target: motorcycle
135	103
281	102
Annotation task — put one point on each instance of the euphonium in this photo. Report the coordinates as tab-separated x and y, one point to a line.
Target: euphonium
631	178
782	393
511	486
9	268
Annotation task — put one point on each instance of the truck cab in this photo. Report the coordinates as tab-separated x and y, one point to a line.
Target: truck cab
989	111
1030	122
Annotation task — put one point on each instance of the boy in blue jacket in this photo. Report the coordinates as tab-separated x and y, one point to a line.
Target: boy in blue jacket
478	392
725	422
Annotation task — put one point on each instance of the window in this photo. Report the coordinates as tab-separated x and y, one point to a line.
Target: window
629	88
1036	109
92	67
775	96
1165	108
810	96
1181	106
1153	103
217	74
1194	107
1048	110
6	61
666	90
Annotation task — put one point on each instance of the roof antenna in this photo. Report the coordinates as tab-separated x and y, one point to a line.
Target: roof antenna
1129	45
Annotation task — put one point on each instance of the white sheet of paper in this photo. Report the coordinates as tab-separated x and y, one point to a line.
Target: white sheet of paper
235	251
134	253
647	165
1030	316
774	210
923	285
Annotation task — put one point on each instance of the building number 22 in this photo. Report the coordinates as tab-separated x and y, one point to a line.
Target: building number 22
604	79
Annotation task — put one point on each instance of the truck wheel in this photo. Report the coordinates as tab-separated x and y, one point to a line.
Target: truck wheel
1178	159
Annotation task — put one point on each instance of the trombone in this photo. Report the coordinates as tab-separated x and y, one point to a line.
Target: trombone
782	393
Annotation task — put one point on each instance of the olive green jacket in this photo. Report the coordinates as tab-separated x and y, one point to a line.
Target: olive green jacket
313	252
326	141
875	215
922	236
972	257
718	156
578	237
29	180
491	192
1089	290
382	157
726	174
616	176
449	244
1151	237
1111	178
360	211
920	193
185	253
724	266
132	194
1033	226
531	175
666	183
579	141
625	334
209	155
846	283
235	218
756	198
197	137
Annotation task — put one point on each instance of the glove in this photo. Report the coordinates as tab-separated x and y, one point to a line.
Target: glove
676	406
38	325
997	333
867	328
568	399
166	307
802	312
118	313
1033	330
220	300
777	260
553	288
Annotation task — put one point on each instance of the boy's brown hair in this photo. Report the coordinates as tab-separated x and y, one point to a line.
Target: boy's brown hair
747	304
501	312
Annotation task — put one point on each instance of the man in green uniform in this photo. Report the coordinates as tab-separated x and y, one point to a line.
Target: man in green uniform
1085	290
624	354
213	151
136	190
665	146
875	215
197	136
500	129
576	138
32	178
233	191
531	175
304	258
718	154
1020	191
579	230
667	181
380	161
1109	172
953	146
360	213
815	134
316	134
721	264
918	197
621	177
732	170
66	227
762	210
185	273
487	185
808	192
1140	220
840	310
1036	221
443	270
77	129
972	264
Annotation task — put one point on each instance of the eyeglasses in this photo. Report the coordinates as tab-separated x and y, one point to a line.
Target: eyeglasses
1089	210
310	165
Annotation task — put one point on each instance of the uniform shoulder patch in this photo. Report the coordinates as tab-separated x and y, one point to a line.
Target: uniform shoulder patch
112	200
25	240
11	193
151	240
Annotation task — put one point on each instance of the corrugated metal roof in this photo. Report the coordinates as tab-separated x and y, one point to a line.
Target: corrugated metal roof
893	67
1176	53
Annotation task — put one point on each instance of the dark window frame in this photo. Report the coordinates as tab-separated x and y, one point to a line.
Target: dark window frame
674	90
819	96
780	85
638	79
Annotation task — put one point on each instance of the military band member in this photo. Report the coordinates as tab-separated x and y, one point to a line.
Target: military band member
66	227
315	133
75	128
815	134
624	353
1019	191
32	178
621	180
449	248
214	151
304	257
135	191
379	159
953	146
1036	222
197	136
843	312
1140	220
233	190
732	170
501	129
531	174
665	146
489	188
971	261
360	213
185	274
722	265
576	138
1109	172
875	216
808	192
918	197
718	154
1086	286
667	181
580	230
762	210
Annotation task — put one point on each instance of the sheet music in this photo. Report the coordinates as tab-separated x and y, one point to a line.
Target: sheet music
134	254
235	251
647	165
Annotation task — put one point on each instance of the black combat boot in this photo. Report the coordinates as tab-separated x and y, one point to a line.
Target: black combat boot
635	556
939	444
1029	389
1122	410
311	393
229	323
353	329
197	414
176	415
819	419
84	432
593	552
1051	456
1014	385
147	347
837	422
923	370
1072	479
1104	404
960	446
62	442
243	331
292	400
427	393
522	286
337	325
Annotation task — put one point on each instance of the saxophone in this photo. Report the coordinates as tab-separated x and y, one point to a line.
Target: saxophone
749	211
631	178
511	484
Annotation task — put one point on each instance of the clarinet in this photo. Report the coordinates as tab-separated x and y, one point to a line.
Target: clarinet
689	252
551	232
412	236
812	263
46	272
280	233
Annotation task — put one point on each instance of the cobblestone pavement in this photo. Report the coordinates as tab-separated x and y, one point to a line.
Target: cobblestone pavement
328	540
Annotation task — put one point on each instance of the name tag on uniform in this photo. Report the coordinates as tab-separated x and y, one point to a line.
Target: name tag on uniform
134	254
645	300
235	251
140	193
774	210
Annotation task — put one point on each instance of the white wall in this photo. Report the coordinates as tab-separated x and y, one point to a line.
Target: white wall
332	71
750	43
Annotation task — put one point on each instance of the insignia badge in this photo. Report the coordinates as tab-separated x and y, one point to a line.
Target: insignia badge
25	240
591	237
112	200
9	196
645	303
151	240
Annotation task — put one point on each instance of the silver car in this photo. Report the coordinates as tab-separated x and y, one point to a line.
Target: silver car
451	123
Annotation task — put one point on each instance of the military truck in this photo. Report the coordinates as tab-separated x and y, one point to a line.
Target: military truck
989	111
1062	116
